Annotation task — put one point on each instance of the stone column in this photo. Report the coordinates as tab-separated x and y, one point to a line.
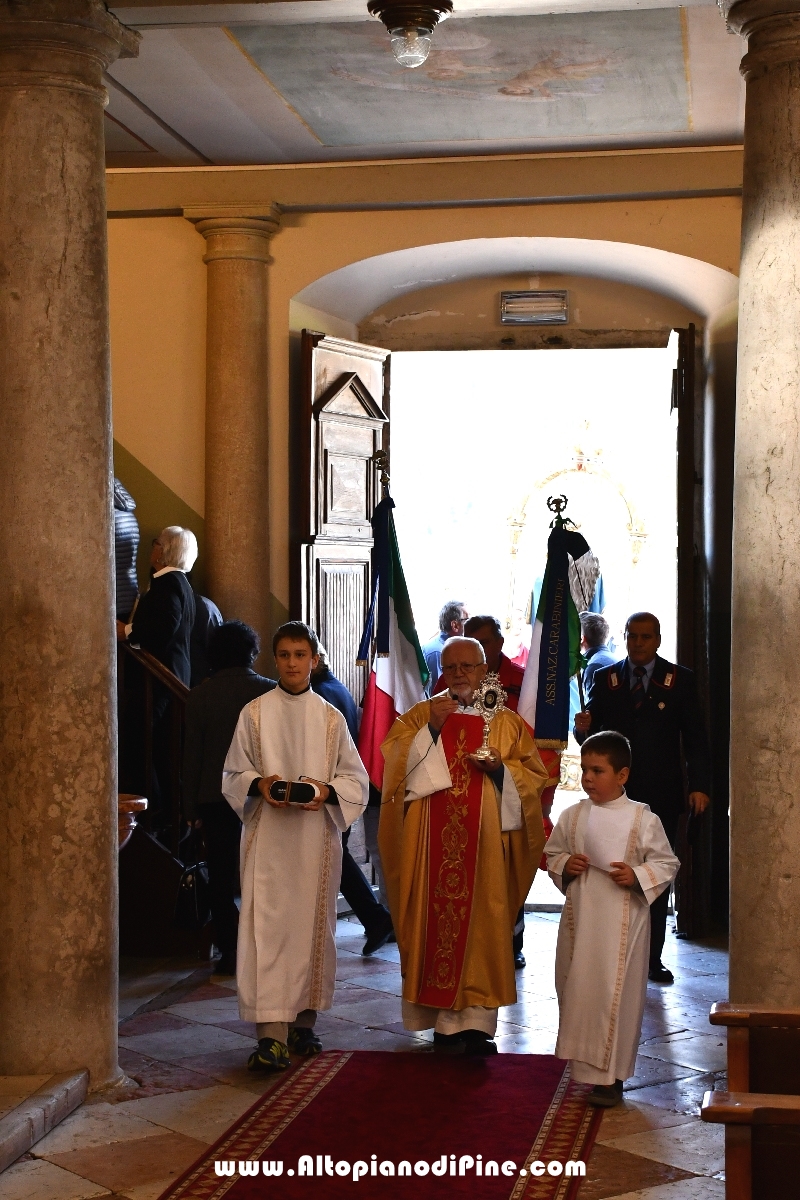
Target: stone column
719	448
237	464
58	823
765	721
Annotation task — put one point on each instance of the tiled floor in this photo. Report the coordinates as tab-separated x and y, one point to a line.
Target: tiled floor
184	1048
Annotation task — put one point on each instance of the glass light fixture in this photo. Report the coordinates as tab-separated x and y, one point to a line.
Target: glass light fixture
410	46
410	24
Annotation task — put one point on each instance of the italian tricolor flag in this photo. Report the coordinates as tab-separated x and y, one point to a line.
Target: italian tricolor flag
399	674
569	582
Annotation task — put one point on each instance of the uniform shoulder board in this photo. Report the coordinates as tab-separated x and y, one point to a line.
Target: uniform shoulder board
670	677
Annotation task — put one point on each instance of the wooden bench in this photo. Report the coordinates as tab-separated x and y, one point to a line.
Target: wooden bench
762	1156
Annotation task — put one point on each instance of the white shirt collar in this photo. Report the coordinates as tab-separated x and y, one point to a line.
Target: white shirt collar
164	570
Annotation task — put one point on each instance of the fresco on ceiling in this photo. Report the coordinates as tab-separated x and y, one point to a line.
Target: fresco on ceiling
499	78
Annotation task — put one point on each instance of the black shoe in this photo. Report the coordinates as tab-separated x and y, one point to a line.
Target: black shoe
449	1043
304	1041
479	1044
378	938
658	973
519	961
605	1096
225	965
271	1055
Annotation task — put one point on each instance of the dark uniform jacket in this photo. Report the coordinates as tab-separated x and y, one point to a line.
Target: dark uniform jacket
666	732
212	711
325	683
163	621
207	618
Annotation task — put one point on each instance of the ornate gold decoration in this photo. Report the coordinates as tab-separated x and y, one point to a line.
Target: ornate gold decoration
452	884
488	701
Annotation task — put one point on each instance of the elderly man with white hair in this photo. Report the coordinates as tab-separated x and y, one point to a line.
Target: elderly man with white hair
162	620
460	839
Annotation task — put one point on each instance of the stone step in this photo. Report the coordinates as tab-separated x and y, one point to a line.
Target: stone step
37	1112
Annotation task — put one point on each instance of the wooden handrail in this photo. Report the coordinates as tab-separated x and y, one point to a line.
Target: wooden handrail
750	1108
157	669
157	675
753	1016
740	1109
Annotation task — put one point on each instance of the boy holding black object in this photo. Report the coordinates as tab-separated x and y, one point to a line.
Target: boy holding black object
611	858
291	849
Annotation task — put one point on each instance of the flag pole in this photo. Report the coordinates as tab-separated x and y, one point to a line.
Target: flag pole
580	690
557	504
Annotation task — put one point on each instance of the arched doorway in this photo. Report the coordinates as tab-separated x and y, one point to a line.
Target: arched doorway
350	294
347	296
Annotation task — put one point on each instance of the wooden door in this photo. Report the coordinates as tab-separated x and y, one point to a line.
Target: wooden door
694	834
683	398
342	422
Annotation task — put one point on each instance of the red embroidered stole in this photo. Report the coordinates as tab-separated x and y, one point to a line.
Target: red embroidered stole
454	821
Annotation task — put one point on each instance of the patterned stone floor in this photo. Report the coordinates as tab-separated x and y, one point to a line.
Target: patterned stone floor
184	1049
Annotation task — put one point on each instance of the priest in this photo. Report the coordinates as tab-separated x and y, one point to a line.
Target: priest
460	840
291	855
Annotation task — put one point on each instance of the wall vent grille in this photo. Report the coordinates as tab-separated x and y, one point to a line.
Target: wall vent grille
534	308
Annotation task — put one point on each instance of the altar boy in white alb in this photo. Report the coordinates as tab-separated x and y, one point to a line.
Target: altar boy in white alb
291	856
611	858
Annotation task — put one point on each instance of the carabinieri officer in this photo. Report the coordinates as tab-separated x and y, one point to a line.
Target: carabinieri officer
654	704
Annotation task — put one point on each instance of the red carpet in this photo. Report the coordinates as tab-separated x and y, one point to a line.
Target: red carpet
351	1106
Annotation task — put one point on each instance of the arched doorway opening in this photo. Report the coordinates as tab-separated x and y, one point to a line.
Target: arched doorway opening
351	297
356	302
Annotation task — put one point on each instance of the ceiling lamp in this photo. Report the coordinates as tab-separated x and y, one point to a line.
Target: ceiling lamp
410	26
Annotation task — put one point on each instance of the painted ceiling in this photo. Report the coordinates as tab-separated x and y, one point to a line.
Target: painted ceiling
281	82
576	75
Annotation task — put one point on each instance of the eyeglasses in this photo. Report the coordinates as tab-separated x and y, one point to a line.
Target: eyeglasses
451	668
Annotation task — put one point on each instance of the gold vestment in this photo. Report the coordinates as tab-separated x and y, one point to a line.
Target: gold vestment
506	862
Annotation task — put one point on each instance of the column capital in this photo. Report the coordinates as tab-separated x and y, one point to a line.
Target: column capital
62	44
772	29
236	230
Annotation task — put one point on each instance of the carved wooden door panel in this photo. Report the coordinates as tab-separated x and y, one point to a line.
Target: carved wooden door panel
342	422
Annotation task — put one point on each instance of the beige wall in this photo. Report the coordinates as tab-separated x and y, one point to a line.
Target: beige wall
158	347
311	245
466	316
510	178
158	277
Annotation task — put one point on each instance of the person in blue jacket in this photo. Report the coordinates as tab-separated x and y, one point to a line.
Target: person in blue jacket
373	916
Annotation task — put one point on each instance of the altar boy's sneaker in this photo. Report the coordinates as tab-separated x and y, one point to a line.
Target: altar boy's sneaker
304	1041
271	1055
